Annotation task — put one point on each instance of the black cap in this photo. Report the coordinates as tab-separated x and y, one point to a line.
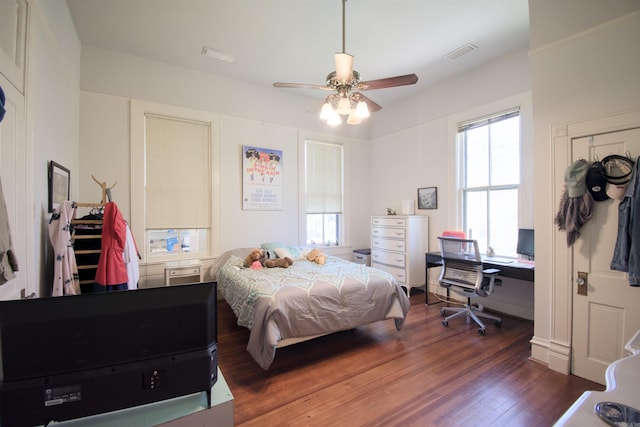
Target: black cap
2	100
596	182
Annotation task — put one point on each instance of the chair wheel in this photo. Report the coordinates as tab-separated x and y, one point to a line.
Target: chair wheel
482	332
445	323
442	312
498	324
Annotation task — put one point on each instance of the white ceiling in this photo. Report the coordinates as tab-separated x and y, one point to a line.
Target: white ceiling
294	40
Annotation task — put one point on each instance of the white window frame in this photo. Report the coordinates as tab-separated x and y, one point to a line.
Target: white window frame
454	159
139	109
344	229
489	187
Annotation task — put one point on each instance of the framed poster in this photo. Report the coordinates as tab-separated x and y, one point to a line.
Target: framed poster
428	198
59	184
261	179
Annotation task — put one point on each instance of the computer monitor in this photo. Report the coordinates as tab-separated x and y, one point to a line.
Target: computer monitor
525	243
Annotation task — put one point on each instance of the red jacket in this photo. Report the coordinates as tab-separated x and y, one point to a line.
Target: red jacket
111	267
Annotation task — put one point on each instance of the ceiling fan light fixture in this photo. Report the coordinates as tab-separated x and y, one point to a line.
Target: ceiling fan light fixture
353	119
344	106
334	120
344	67
327	111
362	111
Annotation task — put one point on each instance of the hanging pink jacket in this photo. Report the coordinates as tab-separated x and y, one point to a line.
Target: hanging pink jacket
111	266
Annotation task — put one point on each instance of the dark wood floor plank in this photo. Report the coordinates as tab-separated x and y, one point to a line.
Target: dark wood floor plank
423	375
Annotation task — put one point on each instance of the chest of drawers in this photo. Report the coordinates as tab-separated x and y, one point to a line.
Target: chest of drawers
398	246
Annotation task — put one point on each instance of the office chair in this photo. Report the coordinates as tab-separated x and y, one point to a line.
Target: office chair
462	273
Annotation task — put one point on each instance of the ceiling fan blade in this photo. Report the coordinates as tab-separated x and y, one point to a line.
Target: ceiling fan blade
408	79
371	105
316	107
301	86
344	67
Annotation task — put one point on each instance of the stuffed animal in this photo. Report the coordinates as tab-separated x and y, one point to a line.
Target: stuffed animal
317	256
278	262
255	259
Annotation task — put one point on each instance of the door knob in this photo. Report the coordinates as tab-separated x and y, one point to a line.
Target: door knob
582	282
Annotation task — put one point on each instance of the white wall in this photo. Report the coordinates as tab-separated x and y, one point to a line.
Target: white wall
52	100
589	73
423	154
105	144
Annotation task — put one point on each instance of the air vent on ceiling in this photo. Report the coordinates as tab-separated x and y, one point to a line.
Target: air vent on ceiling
216	54
463	50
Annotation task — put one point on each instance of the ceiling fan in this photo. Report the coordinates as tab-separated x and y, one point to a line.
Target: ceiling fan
345	82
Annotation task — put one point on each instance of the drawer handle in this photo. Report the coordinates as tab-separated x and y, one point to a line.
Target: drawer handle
399	233
399	246
375	231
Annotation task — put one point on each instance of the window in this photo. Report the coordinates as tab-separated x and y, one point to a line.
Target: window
323	192
490	149
175	197
178	186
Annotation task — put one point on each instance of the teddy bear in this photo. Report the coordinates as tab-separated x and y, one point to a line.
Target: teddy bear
255	259
278	262
317	256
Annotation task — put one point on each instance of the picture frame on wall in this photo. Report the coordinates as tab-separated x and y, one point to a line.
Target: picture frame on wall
428	198
59	185
262	179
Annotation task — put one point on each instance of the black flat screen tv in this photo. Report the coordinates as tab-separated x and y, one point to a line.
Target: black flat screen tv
74	356
525	243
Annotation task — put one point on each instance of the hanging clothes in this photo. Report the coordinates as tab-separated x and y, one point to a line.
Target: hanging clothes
112	270
131	257
576	204
8	261
626	253
65	271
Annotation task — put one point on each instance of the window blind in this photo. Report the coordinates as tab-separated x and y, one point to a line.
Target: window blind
483	121
323	185
178	181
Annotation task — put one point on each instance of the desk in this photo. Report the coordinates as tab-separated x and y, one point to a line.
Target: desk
514	270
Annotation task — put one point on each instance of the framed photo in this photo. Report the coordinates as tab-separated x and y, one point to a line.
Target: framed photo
428	198
59	184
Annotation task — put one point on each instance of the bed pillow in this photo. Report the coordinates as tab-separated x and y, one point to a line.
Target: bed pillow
270	247
289	251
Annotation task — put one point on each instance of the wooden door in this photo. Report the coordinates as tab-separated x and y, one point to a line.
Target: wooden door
606	318
13	171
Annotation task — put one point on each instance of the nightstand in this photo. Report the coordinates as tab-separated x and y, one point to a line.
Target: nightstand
182	272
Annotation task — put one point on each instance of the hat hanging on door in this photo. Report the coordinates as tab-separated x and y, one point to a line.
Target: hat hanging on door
574	177
596	182
617	191
617	169
2	101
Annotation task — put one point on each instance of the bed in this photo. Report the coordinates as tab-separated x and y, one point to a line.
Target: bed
281	306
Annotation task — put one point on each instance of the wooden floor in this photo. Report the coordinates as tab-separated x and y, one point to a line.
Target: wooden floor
423	375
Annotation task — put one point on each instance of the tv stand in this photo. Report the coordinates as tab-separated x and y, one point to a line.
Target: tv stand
192	409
